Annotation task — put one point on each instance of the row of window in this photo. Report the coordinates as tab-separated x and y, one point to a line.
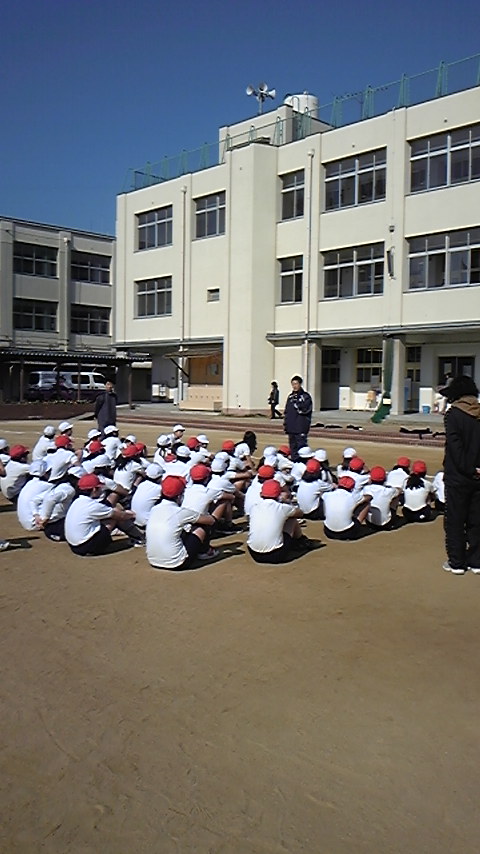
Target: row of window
41	316
440	160
30	259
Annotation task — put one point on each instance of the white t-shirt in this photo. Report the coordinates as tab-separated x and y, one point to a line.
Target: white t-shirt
29	502
439	486
309	494
361	481
339	506
146	495
199	497
165	549
252	495
379	512
397	477
267	519
83	519
298	470
417	499
15	478
126	476
59	463
42	447
56	501
176	469
113	446
223	482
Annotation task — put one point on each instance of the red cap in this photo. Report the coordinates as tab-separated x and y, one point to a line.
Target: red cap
18	451
172	486
346	483
313	467
228	445
140	448
89	481
403	462
170	458
199	472
271	489
62	442
356	464
130	451
192	443
285	450
378	474
94	447
419	467
266	472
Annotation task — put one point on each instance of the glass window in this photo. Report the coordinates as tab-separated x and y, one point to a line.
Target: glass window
154	297
293	194
354	271
210	215
444	159
355	180
445	260
154	228
291	279
32	260
35	315
369	365
86	267
89	320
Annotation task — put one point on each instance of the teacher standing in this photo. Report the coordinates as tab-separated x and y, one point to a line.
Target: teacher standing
106	407
297	416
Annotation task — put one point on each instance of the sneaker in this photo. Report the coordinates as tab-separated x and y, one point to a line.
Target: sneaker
475	569
4	545
456	570
137	544
208	555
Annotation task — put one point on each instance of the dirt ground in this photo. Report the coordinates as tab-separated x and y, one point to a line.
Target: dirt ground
328	706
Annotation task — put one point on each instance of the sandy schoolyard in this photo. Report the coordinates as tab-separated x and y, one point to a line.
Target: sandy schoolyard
327	706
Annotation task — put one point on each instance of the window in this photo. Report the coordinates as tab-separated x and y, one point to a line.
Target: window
352	272
154	297
35	315
293	194
330	365
445	159
355	180
413	358
210	215
154	228
90	320
85	267
291	279
32	260
369	366
213	294
445	260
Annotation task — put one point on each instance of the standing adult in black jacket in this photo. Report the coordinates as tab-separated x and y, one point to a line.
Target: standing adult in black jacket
462	476
297	417
106	407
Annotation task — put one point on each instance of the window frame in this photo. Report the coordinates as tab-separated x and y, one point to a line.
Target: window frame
94	322
210	209
293	194
431	152
22	261
97	273
349	266
291	275
349	173
368	364
44	315
430	249
159	293
157	228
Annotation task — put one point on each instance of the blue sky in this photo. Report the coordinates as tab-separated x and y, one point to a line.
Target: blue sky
91	88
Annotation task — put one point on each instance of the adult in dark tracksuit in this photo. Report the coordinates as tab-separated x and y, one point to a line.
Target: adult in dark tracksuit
297	416
106	407
462	476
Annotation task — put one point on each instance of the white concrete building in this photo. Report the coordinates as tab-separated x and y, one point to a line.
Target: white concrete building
349	255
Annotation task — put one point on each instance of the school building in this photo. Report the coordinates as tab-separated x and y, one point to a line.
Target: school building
348	253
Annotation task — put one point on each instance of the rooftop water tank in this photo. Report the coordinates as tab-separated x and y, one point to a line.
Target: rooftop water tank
302	103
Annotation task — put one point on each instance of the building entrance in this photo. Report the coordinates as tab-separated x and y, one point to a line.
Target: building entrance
330	397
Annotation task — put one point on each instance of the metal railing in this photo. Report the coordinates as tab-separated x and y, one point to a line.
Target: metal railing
346	109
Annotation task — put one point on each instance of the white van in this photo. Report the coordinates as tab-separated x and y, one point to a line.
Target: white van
91	382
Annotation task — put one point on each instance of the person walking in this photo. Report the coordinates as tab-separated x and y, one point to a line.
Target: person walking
273	400
106	407
297	416
462	476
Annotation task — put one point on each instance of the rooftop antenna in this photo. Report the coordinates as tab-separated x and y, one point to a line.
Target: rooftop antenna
261	94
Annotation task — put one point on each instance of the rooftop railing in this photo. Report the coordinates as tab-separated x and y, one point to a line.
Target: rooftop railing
352	107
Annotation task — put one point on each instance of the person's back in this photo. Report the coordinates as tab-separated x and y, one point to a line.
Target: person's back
338	506
267	519
29	502
164	545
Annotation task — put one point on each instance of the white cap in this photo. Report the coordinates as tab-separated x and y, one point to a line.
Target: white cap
178	427
101	461
269	451
49	431
321	455
218	466
183	451
284	464
202	439
349	453
242	450
270	460
109	429
38	468
131	438
222	455
93	434
3	444
64	426
305	453
163	441
200	456
154	471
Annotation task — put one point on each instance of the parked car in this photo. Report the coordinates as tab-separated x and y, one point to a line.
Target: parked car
48	385
91	383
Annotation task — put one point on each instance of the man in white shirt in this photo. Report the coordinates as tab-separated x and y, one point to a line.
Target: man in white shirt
169	546
44	444
31	495
343	519
89	522
16	473
274	529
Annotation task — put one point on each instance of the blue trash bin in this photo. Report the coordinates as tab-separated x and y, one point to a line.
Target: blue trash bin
426	410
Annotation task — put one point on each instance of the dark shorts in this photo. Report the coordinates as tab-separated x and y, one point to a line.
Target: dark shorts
55	531
355	532
277	555
422	515
96	545
316	514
